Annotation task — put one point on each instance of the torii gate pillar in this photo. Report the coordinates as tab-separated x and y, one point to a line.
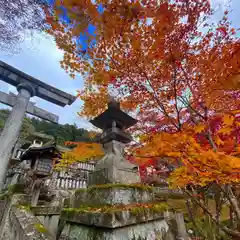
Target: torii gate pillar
27	87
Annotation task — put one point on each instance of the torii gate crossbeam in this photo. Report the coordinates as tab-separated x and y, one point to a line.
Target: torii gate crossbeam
11	99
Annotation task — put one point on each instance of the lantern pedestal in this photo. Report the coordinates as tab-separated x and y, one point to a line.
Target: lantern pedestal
113	168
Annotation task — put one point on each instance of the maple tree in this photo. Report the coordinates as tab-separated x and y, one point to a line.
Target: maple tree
175	70
82	152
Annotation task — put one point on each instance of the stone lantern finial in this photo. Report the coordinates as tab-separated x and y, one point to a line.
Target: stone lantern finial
112	103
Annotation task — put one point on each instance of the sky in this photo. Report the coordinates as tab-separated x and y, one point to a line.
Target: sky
39	57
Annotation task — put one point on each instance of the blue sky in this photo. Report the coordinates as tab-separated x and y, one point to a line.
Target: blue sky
40	58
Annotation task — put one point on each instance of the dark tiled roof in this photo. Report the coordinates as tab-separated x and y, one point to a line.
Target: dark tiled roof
33	150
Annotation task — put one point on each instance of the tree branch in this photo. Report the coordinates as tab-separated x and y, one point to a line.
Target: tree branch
227	230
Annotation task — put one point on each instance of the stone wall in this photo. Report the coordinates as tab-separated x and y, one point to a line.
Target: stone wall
2	208
23	225
48	216
50	222
10	201
18	223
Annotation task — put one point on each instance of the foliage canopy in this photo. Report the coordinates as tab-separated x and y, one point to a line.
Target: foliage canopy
174	69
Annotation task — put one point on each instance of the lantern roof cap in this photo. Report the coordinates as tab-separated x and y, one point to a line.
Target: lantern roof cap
113	114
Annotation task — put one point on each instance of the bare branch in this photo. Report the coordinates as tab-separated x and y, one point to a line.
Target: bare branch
19	18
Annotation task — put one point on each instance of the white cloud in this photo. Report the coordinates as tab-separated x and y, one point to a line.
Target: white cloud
222	4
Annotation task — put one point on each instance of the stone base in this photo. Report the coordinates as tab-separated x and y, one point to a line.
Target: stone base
116	212
153	230
113	218
115	195
113	175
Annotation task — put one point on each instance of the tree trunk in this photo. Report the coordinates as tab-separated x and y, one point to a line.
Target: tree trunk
231	232
218	207
233	201
231	214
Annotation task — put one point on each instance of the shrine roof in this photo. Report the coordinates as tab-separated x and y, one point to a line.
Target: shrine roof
34	151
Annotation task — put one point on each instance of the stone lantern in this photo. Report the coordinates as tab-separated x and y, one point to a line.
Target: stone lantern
125	210
113	167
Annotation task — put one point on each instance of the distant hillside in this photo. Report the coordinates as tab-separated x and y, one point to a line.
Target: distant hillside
61	133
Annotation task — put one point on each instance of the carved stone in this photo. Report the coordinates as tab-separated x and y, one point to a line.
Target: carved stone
113	167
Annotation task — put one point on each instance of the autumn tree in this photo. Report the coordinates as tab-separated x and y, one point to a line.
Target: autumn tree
81	151
176	71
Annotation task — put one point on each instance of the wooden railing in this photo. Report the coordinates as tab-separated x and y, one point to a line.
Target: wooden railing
65	183
73	177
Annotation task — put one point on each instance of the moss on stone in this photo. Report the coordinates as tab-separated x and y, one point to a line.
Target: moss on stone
154	208
138	209
79	190
40	228
5	195
160	207
16	188
124	186
70	212
25	207
137	238
12	189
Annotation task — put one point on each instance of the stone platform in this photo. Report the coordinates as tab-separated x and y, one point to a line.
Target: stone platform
112	194
115	212
114	216
152	230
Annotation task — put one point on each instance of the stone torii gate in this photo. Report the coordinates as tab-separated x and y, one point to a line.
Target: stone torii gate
11	99
27	87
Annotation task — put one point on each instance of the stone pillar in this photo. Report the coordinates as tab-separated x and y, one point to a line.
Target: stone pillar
12	128
35	196
181	228
15	179
15	150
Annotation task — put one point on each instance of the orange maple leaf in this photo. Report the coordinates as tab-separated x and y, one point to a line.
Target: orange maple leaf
199	128
228	120
219	141
225	130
